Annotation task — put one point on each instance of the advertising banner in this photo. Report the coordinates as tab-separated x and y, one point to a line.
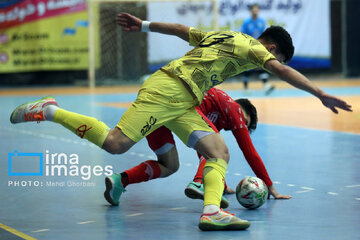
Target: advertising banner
43	35
307	21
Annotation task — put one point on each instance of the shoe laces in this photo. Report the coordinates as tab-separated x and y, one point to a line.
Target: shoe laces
222	210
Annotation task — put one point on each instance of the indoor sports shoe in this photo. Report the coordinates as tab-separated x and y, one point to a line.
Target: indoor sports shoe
32	111
222	221
195	190
114	189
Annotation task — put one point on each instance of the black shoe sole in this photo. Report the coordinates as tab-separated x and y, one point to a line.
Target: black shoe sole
107	196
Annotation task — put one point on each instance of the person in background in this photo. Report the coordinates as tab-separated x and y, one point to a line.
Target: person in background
255	26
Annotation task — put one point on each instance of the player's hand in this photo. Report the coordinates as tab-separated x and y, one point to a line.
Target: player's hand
276	195
333	102
128	22
229	190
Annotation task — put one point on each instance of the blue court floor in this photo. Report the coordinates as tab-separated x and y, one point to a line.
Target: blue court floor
320	169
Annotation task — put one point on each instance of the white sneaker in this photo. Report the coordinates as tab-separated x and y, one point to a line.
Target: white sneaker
222	221
32	111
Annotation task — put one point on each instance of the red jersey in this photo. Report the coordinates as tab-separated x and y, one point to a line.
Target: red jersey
226	114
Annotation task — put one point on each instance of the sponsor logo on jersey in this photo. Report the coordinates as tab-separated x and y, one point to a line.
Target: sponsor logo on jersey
212	116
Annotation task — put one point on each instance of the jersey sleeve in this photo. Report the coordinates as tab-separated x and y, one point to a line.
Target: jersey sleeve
252	157
258	54
195	36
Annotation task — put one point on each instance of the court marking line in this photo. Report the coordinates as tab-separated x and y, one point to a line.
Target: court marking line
307	189
276	182
16	232
332	193
134	215
352	186
41	230
291	185
177	208
237	174
85	222
358	198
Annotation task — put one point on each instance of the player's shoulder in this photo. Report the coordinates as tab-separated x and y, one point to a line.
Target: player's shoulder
215	91
247	20
224	33
261	20
221	95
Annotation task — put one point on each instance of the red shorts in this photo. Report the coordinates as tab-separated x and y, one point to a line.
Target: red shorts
162	139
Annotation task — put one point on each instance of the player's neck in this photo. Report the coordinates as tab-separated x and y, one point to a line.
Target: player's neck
262	41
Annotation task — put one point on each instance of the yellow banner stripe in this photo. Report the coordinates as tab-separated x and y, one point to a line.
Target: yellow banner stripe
16	232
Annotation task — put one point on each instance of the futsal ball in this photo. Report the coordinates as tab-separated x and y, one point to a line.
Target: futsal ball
251	192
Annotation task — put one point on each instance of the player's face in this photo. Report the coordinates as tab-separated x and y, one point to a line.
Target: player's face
254	12
247	119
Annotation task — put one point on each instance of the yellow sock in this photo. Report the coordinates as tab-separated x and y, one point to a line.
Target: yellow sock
213	178
85	127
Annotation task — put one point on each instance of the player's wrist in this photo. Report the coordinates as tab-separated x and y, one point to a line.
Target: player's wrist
145	26
320	93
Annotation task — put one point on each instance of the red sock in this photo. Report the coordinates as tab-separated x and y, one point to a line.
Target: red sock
199	174
225	186
143	172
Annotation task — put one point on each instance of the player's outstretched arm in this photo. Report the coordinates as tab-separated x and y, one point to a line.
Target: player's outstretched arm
130	23
298	80
276	195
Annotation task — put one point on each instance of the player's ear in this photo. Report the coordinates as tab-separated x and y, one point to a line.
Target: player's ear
271	48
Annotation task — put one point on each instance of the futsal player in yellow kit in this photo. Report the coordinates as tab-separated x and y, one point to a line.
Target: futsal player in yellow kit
169	98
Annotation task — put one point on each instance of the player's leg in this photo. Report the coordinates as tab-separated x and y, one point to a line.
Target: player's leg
95	131
153	107
195	189
199	173
161	141
194	131
264	77
213	148
245	78
166	164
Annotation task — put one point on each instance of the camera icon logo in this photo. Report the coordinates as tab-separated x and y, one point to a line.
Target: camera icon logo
25	164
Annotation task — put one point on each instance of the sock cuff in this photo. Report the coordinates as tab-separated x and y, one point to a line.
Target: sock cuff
217	163
58	115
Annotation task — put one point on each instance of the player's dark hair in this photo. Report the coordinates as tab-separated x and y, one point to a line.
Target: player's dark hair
254	5
250	109
281	38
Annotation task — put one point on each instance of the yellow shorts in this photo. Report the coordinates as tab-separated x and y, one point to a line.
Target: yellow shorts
162	100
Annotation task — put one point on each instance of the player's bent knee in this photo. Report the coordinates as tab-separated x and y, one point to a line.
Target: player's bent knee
173	168
116	142
213	146
169	171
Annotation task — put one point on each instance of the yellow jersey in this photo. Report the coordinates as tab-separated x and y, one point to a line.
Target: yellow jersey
216	57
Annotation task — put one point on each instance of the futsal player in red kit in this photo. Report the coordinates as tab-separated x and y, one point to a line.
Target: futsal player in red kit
221	112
